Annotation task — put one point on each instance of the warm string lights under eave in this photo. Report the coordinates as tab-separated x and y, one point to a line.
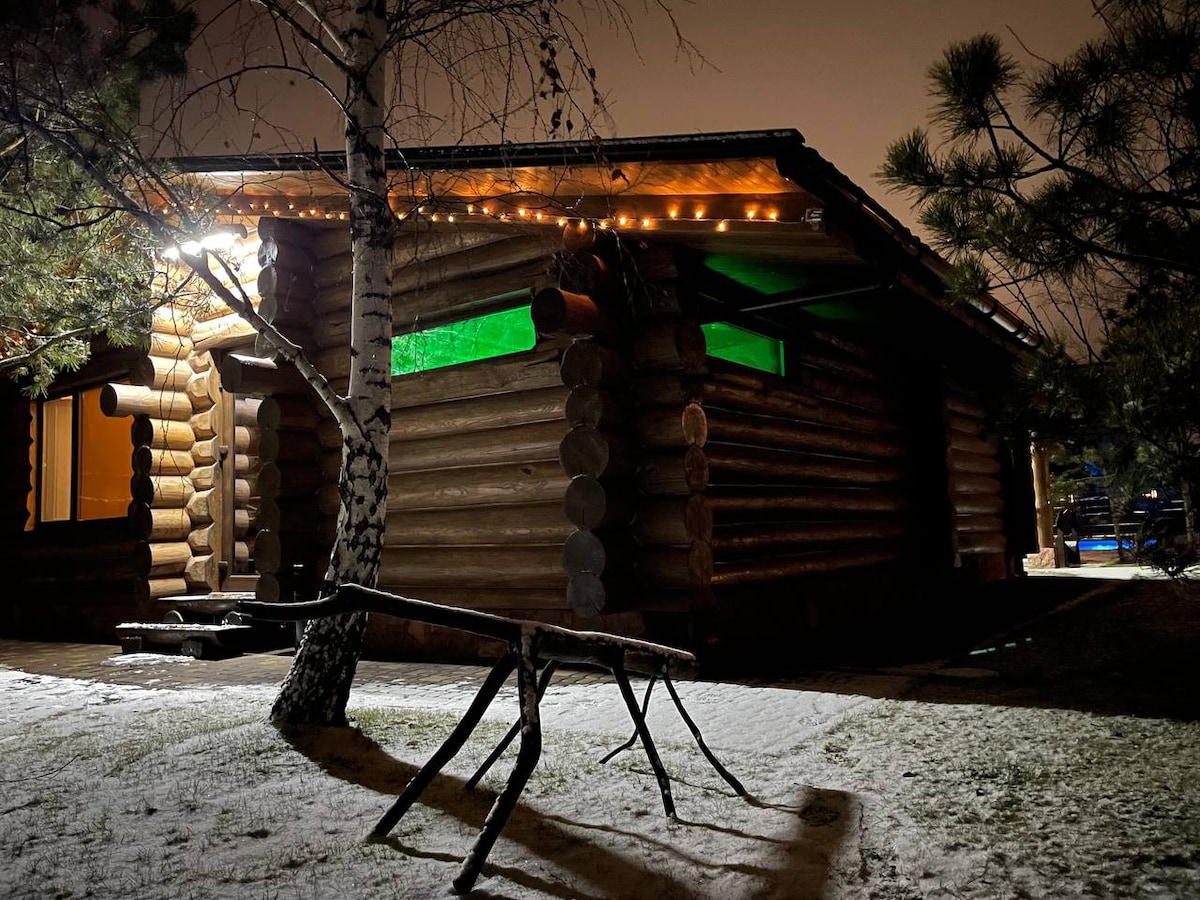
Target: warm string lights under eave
682	217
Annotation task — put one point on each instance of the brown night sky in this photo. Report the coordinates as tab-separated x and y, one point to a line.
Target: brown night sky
848	74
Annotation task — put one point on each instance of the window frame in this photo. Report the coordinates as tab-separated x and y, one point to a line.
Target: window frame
37	480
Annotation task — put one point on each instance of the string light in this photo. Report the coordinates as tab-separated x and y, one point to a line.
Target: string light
669	213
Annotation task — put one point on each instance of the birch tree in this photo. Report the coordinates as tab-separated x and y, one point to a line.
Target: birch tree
393	72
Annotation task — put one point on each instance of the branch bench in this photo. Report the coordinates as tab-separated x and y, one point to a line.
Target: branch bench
534	650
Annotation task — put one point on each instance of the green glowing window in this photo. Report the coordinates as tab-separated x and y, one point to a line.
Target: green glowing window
747	348
480	337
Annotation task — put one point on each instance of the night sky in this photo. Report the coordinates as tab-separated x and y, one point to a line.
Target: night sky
848	74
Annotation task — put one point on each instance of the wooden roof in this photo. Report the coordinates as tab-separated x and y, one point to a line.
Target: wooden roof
765	195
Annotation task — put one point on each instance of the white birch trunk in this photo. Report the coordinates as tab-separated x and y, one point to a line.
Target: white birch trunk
317	687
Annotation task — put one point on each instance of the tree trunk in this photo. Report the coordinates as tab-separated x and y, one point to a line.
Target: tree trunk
317	687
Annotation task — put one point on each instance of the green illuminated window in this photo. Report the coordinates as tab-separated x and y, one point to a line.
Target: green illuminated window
480	337
747	348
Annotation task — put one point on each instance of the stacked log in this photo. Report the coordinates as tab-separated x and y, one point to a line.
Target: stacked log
277	527
807	475
635	547
974	465
475	490
168	402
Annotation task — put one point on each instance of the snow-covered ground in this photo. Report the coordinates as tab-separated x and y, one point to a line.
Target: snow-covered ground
128	792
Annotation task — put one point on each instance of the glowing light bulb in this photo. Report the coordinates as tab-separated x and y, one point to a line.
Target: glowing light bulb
700	212
645	223
673	213
450	218
622	220
773	216
722	225
750	213
562	223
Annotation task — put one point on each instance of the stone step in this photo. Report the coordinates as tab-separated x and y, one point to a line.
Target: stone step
193	639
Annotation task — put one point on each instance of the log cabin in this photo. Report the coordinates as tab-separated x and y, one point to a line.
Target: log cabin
698	388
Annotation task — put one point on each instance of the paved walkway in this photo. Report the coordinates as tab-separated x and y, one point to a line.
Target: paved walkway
1107	646
104	662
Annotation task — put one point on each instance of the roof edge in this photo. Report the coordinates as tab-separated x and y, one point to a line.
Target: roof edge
664	148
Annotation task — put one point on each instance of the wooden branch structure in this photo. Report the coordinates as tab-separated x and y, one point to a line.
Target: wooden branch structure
532	646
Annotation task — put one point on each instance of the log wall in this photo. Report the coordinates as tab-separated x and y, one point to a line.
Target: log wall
171	406
189	487
976	488
283	419
475	508
802	476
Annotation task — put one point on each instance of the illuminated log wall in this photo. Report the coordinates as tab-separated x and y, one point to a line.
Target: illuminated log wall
281	417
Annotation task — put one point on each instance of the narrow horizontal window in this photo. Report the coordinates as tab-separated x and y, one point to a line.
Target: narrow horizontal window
745	347
480	337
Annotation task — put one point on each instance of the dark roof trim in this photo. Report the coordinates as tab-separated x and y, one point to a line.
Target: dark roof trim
669	148
802	163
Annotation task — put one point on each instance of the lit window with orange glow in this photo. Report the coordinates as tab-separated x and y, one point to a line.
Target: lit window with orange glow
81	461
104	461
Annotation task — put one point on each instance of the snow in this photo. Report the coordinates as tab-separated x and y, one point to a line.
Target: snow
138	660
132	792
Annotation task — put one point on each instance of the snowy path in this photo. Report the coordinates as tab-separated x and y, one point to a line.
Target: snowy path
122	792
